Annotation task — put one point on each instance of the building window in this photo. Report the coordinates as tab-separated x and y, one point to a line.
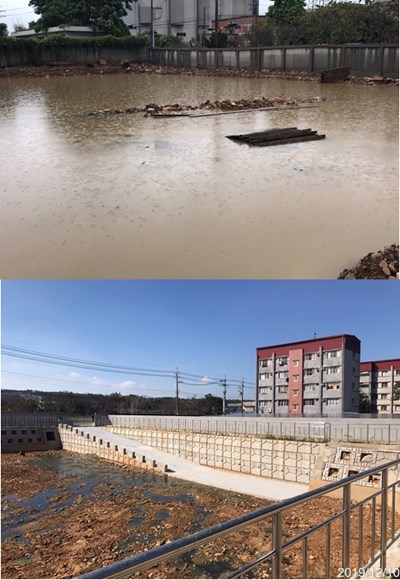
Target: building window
383	396
282	389
262	403
283	360
282	403
383	408
332	353
383	373
397	373
282	374
310	387
296	363
181	34
265	390
265	376
383	385
295	392
295	407
295	377
332	402
266	362
309	402
364	373
310	356
332	370
330	386
308	372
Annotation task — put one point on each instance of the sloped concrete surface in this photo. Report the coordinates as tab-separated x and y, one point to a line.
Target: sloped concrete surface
257	486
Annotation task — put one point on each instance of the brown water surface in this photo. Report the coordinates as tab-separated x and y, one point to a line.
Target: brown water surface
129	196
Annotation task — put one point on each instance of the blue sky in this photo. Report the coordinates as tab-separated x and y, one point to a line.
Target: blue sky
209	328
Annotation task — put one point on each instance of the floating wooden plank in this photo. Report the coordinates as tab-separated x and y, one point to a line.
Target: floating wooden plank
277	137
335	74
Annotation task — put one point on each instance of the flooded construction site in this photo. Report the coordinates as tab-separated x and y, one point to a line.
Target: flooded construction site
138	196
65	514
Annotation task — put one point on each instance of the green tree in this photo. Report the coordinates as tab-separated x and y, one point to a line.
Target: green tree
104	15
3	29
285	10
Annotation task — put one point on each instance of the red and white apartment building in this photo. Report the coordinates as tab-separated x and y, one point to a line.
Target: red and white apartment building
380	382
312	378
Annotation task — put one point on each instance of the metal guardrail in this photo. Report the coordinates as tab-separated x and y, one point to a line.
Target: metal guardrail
388	534
324	429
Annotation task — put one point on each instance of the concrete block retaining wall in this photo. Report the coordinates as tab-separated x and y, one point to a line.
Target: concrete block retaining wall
76	440
288	460
302	461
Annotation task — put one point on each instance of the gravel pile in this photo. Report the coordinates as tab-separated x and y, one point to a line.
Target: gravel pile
381	265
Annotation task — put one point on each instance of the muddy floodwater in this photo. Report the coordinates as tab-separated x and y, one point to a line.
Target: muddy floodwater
128	196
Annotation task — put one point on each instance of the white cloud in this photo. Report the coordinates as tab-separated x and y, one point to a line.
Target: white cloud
75	375
124	385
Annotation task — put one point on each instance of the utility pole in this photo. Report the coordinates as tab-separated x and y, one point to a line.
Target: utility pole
216	24
152	22
224	396
177	381
241	392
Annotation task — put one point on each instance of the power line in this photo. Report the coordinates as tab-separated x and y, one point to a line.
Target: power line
59	360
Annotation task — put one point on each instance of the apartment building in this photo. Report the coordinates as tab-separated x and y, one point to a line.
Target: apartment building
188	19
380	385
312	378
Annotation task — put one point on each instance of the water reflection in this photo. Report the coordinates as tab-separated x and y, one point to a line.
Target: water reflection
128	196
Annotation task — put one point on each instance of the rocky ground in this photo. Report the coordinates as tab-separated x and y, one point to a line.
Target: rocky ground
380	265
84	523
126	67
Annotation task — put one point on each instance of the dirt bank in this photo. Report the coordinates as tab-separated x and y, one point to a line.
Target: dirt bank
380	265
126	67
60	523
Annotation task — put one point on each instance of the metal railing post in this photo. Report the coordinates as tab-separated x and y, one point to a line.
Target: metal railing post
346	525
277	544
384	514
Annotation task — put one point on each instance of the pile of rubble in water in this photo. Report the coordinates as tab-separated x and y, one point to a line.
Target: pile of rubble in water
381	265
224	105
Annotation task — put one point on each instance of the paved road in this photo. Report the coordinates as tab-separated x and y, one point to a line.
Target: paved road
184	469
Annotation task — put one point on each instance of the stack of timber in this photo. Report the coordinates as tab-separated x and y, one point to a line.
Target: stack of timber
277	137
334	75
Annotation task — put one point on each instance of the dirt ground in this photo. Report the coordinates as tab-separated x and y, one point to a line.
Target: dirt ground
82	529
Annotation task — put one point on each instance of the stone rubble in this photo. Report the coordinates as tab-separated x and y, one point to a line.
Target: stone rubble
381	265
152	109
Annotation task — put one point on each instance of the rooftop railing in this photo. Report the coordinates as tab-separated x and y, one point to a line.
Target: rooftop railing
354	559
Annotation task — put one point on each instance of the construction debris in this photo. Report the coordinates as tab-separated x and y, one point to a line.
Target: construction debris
335	75
226	105
277	137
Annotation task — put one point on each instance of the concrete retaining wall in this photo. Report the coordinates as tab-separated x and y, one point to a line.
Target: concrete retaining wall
10	56
78	441
289	460
363	60
32	438
300	461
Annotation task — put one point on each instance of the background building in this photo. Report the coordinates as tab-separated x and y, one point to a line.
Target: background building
185	18
313	377
380	385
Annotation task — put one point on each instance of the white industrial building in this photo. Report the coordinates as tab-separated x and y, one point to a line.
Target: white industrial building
187	19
